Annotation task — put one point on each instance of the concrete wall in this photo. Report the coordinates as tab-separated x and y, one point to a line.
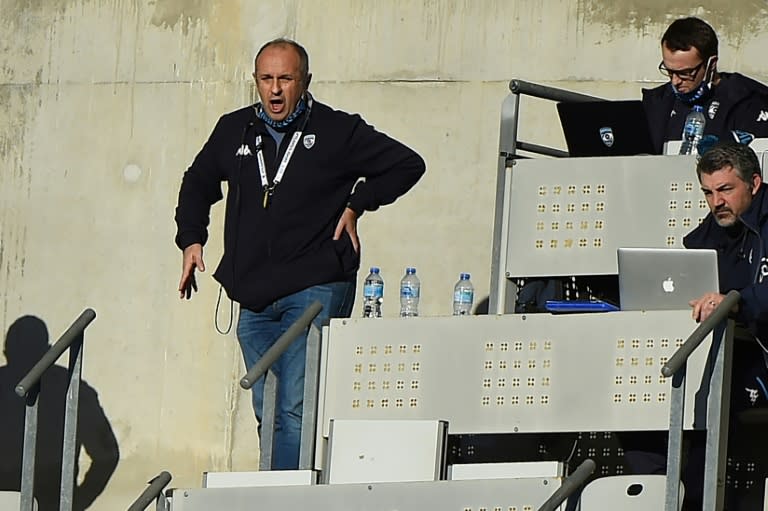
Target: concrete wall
103	104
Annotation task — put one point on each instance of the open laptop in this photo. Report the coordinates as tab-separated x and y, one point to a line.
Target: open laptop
665	278
605	128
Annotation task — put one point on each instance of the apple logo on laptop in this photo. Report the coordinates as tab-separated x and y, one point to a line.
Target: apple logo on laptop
668	285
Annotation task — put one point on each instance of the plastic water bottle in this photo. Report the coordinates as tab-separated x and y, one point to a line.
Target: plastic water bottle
373	294
410	289
693	130
463	296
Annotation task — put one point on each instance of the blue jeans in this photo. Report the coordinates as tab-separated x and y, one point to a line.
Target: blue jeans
258	331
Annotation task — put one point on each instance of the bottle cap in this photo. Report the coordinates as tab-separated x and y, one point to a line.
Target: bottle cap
698	108
465	276
410	271
374	269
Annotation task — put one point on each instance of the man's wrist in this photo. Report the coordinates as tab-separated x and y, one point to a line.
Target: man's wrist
354	207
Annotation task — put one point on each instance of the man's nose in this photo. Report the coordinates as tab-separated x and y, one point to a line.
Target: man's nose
718	199
275	86
676	80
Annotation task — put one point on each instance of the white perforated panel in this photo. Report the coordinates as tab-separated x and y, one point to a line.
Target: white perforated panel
568	217
519	494
512	373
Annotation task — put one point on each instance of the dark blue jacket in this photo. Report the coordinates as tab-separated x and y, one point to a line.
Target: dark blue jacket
736	103
274	252
742	260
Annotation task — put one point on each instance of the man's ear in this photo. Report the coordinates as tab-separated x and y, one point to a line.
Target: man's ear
309	79
757	180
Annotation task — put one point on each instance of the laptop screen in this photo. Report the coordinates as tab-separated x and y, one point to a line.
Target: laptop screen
665	278
605	128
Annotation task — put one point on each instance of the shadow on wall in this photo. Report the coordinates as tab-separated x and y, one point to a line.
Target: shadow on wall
25	342
482	307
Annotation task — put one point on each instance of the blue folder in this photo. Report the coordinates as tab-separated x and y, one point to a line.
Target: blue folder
579	306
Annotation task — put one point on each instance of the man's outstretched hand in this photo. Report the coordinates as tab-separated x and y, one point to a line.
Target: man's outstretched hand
192	260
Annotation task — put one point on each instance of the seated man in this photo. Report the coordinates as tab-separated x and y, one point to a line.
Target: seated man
731	101
737	227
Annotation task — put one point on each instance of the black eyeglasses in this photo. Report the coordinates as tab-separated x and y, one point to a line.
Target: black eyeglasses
684	74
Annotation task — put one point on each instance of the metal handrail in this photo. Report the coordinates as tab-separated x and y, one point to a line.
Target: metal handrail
29	389
540	149
714	414
571	483
721	312
151	492
273	353
54	352
546	92
521	87
500	290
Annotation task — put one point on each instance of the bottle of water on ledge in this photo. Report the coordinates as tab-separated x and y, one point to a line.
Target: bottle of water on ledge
693	130
373	294
410	289
463	296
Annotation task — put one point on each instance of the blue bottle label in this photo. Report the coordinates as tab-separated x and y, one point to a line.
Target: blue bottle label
463	296
375	290
409	292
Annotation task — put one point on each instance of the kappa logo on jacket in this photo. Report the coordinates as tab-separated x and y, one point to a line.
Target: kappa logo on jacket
762	116
244	150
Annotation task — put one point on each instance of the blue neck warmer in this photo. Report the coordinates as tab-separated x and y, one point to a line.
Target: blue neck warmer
697	94
300	108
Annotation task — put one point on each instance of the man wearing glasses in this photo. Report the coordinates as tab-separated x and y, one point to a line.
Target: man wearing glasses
731	101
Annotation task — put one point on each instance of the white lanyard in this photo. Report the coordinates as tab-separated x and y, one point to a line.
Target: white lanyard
269	189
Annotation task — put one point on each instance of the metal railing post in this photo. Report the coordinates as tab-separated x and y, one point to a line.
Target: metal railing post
718	405
30	448
69	447
675	441
267	437
507	147
29	389
311	388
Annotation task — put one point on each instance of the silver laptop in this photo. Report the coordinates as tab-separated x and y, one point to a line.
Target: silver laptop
665	278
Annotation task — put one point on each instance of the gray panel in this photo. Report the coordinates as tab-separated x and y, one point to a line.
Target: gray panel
511	373
568	216
518	494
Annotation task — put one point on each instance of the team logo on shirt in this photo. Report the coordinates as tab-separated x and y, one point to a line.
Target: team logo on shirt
763	270
309	141
606	135
712	111
762	116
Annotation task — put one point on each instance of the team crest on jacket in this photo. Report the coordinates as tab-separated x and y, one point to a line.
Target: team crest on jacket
712	110
309	141
763	270
606	135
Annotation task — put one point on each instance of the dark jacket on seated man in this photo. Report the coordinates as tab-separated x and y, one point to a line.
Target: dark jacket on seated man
736	103
742	259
